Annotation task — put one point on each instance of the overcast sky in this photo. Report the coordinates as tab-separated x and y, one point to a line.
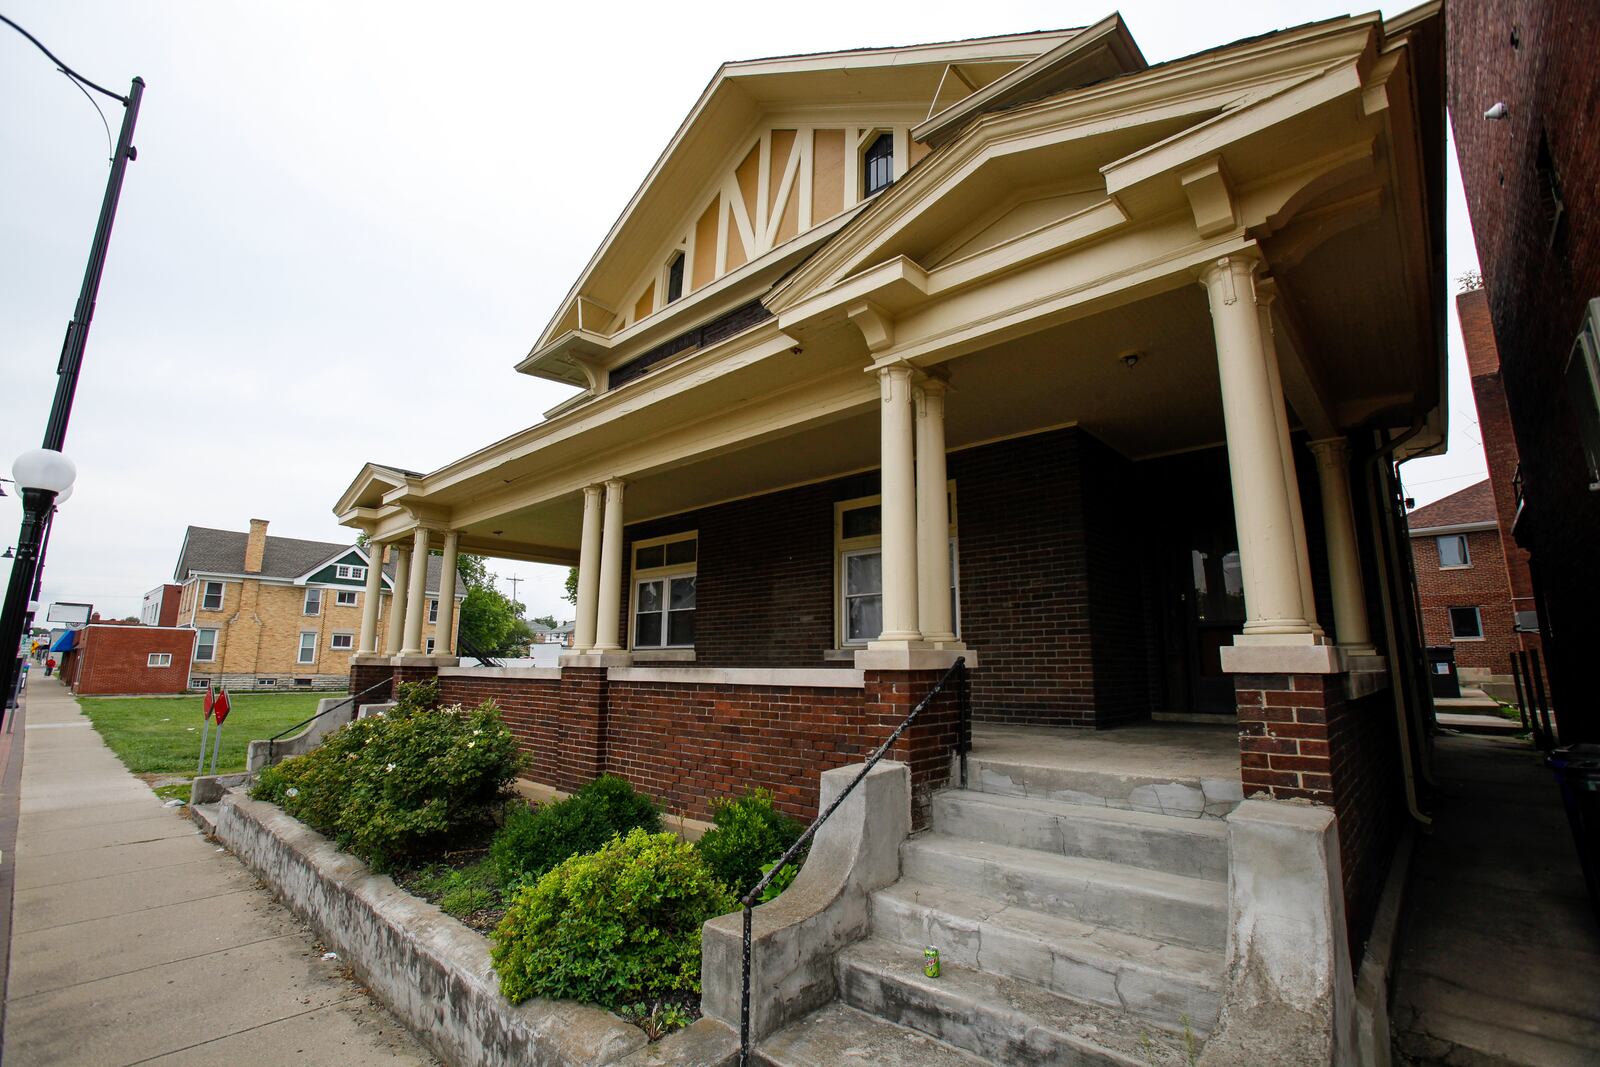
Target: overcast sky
348	220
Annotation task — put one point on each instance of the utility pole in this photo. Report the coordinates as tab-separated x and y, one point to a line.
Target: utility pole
514	580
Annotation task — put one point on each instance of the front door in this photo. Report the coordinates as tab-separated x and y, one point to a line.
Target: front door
1216	615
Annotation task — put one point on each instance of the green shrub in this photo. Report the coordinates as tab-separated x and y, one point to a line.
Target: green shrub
459	891
534	840
614	927
401	783
750	834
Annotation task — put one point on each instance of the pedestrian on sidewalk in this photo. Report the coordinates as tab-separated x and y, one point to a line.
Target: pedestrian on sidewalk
49	666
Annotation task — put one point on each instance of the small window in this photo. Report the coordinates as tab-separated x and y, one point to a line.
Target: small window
342	642
345	598
877	165
205	646
675	277
159	659
1453	551
866	521
349	570
212	601
313	601
266	681
429	649
308	647
1466	624
433	611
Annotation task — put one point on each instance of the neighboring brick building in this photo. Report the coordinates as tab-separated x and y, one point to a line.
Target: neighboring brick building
1532	182
110	658
1462	582
160	606
279	612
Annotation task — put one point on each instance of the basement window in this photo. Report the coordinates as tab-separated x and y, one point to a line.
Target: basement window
266	681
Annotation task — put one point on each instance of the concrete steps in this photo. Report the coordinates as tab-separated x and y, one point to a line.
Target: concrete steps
1200	793
1163	984
1195	848
1146	903
999	1018
840	1035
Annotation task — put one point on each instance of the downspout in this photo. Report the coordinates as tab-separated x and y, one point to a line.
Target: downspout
1380	507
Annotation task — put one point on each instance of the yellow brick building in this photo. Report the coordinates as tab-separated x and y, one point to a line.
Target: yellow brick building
281	612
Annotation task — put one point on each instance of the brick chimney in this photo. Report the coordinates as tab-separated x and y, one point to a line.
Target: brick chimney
256	547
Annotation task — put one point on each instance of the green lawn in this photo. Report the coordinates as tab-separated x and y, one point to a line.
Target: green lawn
161	735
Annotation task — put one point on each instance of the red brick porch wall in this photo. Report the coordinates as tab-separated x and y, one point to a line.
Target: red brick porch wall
1302	737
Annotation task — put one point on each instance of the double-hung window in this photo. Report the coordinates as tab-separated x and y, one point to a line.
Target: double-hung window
313	601
308	647
1453	551
664	570
205	646
858	539
433	612
211	598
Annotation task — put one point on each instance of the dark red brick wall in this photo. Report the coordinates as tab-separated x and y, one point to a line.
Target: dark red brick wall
1539	280
1301	737
1482	585
364	675
114	659
556	721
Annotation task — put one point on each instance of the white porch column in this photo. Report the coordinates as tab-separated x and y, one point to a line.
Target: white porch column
443	635
395	638
369	605
1344	556
899	508
588	569
1267	556
608	604
417	595
933	517
1291	480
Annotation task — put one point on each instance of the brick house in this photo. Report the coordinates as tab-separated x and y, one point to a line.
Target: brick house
280	612
1532	182
1021	351
1463	584
111	658
160	606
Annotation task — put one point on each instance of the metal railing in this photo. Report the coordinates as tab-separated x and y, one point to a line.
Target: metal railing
275	738
1532	702
483	658
958	670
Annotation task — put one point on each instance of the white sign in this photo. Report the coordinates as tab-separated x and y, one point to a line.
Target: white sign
71	614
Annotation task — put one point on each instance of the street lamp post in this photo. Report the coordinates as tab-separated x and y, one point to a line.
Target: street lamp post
42	475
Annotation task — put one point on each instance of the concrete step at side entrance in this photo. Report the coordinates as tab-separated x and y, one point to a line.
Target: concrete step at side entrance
1178	794
1196	848
839	1035
998	1018
1162	984
1151	904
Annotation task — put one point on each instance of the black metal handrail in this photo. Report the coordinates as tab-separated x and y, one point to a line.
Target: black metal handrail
273	740
483	658
958	669
1537	713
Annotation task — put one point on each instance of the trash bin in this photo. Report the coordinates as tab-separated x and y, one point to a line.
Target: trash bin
1577	771
1442	672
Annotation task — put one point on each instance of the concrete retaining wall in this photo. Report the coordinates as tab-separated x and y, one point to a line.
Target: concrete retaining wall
432	971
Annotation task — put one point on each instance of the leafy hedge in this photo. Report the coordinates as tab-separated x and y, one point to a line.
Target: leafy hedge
750	835
534	840
614	927
400	783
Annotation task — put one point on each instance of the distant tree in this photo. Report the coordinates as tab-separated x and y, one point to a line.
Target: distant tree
572	585
546	620
490	621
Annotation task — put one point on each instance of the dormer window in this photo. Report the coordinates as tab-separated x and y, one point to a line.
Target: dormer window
877	165
675	277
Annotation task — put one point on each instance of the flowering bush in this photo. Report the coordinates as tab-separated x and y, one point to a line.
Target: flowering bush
614	927
401	783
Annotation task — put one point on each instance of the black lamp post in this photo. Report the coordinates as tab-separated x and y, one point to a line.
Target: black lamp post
42	475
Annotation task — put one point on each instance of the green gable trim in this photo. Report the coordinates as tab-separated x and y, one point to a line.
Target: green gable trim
328	575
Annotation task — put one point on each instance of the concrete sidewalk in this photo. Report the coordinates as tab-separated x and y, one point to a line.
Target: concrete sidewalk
134	940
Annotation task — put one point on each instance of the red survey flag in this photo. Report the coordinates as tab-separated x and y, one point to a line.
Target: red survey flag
221	708
210	698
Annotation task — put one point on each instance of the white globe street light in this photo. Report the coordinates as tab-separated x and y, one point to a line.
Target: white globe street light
44	468
42	475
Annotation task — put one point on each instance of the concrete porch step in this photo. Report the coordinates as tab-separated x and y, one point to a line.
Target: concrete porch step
1146	903
839	1035
1164	984
998	1018
1195	848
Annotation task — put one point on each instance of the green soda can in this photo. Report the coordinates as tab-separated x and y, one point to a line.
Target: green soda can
930	962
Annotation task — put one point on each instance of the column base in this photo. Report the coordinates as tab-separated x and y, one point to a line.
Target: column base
597	658
906	657
370	659
1278	657
416	659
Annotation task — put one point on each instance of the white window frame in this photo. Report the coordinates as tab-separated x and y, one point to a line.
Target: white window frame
306	607
353	571
197	643
857	546
158	659
205	594
664	574
339	598
862	148
311	647
1466	552
1477	613
428	649
349	641
433	611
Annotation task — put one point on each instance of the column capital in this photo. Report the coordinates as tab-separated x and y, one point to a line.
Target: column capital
595	491
611	484
1330	450
1227	270
900	371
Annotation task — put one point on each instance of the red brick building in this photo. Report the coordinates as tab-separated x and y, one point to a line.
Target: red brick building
117	658
1462	582
1532	180
160	606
